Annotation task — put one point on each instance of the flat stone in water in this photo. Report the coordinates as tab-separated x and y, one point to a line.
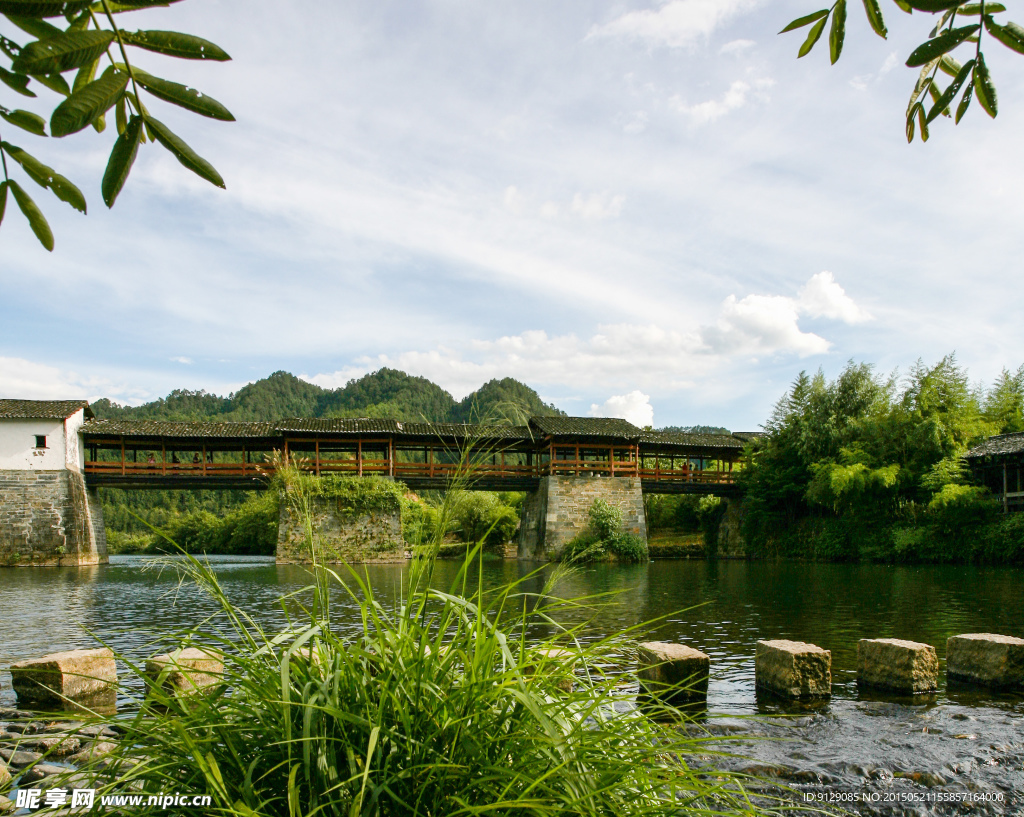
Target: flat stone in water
986	659
94	752
73	674
895	664
41	771
5	776
18	759
793	669
57	746
6	806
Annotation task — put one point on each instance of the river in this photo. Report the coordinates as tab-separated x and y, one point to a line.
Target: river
904	755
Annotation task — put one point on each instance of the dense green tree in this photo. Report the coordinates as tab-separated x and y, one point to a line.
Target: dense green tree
502	400
870	467
1004	404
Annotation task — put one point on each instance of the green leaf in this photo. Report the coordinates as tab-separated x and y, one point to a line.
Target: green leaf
947	96
85	75
949	65
837	34
1011	35
47	177
904	6
874	13
35	217
975	8
922	85
122	157
174	44
121	115
933	5
911	119
26	120
16	82
135	5
812	37
9	47
965	102
70	50
55	82
984	89
945	42
805	21
922	124
40	29
184	154
182	95
82	107
3	200
99	124
41	8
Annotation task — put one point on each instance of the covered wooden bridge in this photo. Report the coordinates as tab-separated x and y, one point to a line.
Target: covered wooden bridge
159	454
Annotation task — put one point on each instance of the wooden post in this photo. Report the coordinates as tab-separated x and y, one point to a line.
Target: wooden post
359	457
316	449
122	456
1006	487
204	460
391	456
163	457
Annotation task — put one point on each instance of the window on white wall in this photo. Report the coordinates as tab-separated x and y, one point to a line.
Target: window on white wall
40	441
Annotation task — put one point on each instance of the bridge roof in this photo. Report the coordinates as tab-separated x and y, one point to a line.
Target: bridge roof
585	427
42	409
682	439
164	428
1000	445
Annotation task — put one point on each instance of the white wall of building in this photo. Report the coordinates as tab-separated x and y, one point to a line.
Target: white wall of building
75	454
18	450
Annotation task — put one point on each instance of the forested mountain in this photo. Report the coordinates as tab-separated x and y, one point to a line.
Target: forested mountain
385	393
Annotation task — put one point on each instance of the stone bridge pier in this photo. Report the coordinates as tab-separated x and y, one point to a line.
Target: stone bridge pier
560	509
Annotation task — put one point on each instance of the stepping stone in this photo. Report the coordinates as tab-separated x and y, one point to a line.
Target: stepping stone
17	758
41	771
53	746
902	666
96	751
186	671
74	675
986	659
5	776
673	672
793	669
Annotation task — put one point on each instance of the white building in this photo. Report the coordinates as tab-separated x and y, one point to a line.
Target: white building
47	515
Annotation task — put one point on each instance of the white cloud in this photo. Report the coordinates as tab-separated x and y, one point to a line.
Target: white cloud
892	61
676	24
513	200
30	380
822	297
597	206
736	46
644	355
736	97
186	361
634	407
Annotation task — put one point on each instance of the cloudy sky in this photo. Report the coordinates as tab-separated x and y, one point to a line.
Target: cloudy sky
641	208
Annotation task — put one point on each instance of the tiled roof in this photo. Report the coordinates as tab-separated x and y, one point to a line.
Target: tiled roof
1000	444
586	427
348	425
747	436
681	439
163	428
464	430
41	409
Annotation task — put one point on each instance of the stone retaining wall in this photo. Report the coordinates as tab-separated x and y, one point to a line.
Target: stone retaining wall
560	507
341	535
50	518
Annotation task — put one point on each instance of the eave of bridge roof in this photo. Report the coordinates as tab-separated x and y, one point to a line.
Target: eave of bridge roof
593	427
161	429
1002	445
684	440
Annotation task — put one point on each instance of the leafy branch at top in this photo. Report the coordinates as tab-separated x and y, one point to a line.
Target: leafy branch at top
970	80
89	34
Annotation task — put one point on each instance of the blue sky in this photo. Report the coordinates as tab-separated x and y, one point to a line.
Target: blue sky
645	208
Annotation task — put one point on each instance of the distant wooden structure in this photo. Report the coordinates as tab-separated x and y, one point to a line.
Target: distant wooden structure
159	454
998	464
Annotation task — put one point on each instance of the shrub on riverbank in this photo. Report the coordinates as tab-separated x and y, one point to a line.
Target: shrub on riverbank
604	538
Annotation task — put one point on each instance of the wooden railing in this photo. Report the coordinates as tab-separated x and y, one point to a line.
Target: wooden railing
415	470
